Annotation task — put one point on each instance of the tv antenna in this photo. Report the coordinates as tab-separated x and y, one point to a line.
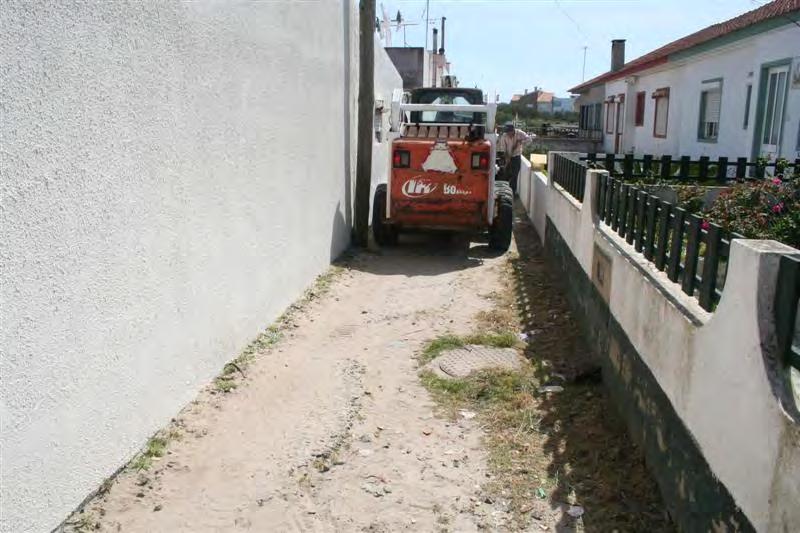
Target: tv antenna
583	70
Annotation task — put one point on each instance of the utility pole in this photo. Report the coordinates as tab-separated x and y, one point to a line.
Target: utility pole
366	103
583	71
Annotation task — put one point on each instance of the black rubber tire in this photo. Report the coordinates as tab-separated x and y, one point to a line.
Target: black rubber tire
384	234
503	226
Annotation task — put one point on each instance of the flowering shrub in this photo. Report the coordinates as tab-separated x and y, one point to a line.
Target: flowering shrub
761	209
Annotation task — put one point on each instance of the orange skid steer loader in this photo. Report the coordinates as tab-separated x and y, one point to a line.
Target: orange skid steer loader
442	168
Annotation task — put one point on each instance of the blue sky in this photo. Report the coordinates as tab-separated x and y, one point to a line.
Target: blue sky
509	45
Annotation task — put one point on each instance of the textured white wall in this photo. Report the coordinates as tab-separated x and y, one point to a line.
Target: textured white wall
172	176
714	374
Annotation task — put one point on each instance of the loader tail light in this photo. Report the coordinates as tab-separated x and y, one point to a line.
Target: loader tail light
401	159
480	161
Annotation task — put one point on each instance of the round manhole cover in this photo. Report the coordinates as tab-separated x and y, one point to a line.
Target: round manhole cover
461	362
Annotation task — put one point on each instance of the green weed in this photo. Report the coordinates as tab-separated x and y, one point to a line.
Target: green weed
156	447
224	384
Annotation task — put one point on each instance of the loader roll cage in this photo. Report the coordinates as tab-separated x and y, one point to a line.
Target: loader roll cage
400	113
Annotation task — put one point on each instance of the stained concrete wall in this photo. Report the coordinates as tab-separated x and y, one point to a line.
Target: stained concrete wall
172	176
410	62
533	195
700	391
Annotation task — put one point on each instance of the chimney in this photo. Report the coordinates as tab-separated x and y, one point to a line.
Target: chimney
435	39
441	50
617	54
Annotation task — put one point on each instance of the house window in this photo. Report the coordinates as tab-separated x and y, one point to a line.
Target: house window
710	104
640	97
773	114
661	118
747	106
609	117
598	116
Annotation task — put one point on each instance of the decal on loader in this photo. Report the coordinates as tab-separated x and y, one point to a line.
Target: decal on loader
418	187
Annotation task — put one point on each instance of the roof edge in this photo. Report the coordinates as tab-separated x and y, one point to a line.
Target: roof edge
772	22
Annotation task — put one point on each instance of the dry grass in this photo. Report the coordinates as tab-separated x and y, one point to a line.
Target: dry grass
550	450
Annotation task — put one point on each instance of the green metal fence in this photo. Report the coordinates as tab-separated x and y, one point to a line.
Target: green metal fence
570	175
690	250
685	168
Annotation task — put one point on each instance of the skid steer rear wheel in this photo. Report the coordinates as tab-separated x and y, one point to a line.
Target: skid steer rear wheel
500	232
383	233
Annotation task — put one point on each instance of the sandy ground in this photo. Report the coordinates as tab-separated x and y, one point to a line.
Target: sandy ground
331	429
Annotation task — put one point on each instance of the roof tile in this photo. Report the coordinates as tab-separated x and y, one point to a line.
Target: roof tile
659	56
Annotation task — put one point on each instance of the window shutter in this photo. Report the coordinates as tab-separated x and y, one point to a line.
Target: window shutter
712	106
662	108
640	99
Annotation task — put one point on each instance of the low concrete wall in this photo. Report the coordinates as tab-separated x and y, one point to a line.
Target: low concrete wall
532	194
696	388
566	144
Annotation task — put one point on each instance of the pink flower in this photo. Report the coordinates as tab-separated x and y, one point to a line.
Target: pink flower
777	208
777	181
705	225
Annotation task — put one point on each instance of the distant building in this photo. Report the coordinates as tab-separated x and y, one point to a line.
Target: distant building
563	105
410	63
543	102
419	67
729	90
537	99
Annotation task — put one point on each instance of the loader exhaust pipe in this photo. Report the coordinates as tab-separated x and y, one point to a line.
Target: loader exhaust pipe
441	50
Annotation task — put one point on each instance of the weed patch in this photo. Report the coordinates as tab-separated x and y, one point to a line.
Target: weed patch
155	448
441	344
225	383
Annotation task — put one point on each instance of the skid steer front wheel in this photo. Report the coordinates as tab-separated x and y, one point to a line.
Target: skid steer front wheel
500	232
383	233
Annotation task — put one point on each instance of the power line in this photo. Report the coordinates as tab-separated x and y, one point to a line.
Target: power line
575	22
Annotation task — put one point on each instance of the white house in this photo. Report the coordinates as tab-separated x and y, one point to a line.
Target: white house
563	105
731	89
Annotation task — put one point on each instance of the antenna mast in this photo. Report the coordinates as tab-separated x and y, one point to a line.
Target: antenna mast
583	71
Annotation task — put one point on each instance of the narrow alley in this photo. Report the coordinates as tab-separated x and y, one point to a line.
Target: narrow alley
331	428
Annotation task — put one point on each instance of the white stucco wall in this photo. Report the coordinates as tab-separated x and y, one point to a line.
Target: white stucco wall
739	64
171	177
713	373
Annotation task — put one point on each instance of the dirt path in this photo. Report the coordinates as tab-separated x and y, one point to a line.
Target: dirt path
343	383
331	429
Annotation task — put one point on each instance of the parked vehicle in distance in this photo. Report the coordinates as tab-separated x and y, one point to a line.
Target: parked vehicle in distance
442	168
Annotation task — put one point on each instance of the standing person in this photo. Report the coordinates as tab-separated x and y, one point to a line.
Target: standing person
511	142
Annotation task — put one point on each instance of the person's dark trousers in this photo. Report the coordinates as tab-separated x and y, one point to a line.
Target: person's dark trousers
513	172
